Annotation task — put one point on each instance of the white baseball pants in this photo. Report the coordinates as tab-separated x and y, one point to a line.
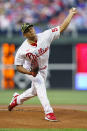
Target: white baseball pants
37	88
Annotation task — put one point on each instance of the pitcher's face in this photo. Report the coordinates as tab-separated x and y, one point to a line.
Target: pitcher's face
30	33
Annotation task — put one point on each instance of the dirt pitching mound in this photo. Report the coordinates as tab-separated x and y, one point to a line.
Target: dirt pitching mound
33	117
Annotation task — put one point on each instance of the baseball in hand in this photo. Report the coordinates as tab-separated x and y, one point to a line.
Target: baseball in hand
74	9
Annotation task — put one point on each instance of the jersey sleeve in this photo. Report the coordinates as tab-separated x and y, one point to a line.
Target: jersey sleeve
53	34
19	59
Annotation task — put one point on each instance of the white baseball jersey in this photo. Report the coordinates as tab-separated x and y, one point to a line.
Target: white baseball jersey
27	52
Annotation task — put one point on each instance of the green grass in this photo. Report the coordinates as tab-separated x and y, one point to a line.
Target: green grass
68	97
56	97
43	129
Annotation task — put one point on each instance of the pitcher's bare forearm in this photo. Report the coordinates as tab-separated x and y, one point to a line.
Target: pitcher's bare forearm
68	19
21	69
66	22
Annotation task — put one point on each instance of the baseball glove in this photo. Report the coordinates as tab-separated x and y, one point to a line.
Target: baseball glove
34	67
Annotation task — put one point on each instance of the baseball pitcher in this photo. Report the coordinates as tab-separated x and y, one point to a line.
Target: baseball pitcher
32	60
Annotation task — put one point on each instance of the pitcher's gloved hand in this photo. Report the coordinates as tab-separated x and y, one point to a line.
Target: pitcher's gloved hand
34	68
34	71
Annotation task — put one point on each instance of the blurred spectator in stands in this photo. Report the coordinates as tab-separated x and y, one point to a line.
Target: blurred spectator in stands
48	12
